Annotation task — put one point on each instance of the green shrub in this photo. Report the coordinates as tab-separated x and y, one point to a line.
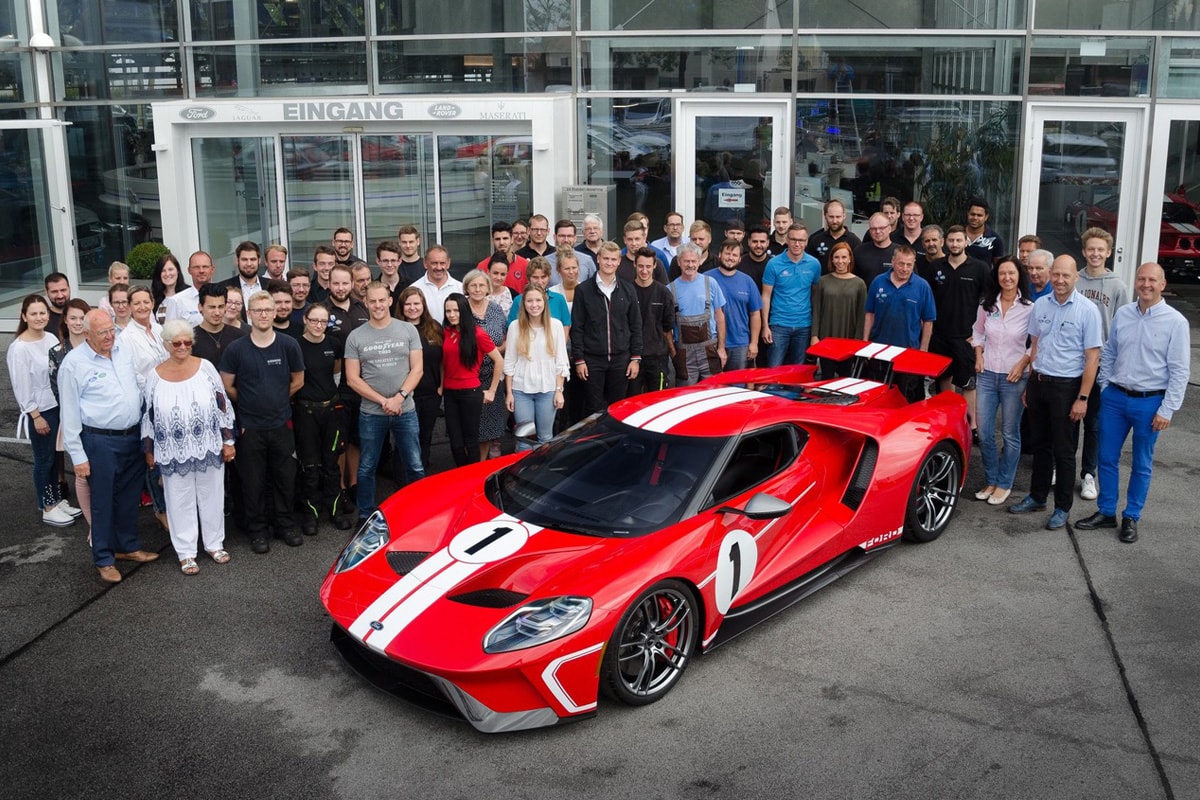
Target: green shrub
142	258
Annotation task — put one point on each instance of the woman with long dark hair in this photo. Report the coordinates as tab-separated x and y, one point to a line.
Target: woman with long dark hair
839	300
412	308
1001	340
464	347
166	280
70	335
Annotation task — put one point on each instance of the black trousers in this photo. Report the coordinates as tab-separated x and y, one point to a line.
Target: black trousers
320	431
464	407
606	382
266	462
428	406
652	375
1055	437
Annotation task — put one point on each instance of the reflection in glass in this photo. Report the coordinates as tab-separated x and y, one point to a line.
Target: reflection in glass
281	69
26	253
1090	67
484	179
1180	68
1080	181
476	65
1104	15
708	64
122	75
113	178
80	22
1179	233
627	144
732	155
634	15
16	76
220	20
402	17
318	188
940	154
235	197
398	187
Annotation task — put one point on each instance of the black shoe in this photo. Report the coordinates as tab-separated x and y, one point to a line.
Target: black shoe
341	521
975	436
1097	520
308	520
348	498
292	539
1128	532
260	545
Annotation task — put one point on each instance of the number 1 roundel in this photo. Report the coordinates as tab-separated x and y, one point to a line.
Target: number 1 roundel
488	541
736	561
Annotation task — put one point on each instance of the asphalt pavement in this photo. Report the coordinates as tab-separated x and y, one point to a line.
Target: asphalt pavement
1001	661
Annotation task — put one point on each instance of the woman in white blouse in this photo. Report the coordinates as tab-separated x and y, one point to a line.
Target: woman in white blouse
143	336
29	371
1001	339
536	365
188	430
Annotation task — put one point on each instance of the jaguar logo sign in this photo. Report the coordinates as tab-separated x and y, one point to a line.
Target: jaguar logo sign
197	113
444	110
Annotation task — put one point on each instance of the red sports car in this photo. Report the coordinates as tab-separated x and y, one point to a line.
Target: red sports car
513	592
1178	236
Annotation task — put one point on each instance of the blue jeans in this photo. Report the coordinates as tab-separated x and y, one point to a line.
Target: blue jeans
1120	413
735	357
536	407
788	345
994	392
45	474
406	439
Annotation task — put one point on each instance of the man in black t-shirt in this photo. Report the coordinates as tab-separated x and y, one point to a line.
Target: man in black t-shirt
758	253
873	257
835	230
261	372
212	335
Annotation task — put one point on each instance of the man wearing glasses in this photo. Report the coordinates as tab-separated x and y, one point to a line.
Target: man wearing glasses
787	299
909	230
261	372
670	243
539	230
343	247
101	425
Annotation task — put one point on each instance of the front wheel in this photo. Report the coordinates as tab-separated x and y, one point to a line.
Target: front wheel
651	645
934	495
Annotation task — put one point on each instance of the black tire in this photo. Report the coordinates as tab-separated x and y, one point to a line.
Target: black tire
934	494
652	644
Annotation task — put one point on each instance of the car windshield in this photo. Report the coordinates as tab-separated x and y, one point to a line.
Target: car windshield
606	479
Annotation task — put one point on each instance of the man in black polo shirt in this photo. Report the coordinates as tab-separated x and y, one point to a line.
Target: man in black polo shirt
835	230
957	282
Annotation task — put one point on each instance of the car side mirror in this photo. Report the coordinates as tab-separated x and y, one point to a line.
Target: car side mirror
761	506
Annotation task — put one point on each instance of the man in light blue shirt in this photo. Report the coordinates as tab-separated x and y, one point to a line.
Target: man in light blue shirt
787	299
101	424
1066	330
1144	369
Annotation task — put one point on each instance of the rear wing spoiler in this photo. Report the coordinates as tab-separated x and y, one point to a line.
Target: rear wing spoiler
880	361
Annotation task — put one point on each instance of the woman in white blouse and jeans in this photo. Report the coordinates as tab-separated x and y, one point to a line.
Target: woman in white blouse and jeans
1001	339
536	365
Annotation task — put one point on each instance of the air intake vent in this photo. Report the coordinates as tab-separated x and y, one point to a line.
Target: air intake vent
490	598
862	475
403	562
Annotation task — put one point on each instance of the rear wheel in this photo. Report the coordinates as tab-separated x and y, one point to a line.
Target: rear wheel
934	495
652	644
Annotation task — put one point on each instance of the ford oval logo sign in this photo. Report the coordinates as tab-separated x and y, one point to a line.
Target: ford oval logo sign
196	113
444	110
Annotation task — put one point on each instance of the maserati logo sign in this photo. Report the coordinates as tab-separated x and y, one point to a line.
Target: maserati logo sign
197	113
444	110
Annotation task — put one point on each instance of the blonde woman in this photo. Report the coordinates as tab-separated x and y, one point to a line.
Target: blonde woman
536	366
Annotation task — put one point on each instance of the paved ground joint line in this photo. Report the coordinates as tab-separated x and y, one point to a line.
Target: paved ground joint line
1130	695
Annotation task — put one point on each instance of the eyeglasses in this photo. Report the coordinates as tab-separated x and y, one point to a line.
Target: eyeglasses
182	344
106	332
116	303
343	241
263	310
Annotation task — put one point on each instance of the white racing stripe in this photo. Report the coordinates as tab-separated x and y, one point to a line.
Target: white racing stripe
484	544
639	419
853	386
667	421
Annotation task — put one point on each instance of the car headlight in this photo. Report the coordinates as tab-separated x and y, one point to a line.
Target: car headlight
373	535
538	623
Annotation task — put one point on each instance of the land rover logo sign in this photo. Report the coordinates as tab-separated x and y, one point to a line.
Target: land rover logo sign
197	113
444	110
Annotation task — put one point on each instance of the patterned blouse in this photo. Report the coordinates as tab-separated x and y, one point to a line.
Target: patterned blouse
187	421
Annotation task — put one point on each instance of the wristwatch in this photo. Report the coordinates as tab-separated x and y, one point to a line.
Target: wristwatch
1083	397
405	395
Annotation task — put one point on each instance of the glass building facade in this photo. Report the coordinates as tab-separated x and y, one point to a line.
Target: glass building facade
204	122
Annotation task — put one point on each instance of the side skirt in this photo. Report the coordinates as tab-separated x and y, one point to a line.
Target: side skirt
742	618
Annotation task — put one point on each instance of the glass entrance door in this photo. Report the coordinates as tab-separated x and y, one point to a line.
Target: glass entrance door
299	189
1084	171
1172	226
731	162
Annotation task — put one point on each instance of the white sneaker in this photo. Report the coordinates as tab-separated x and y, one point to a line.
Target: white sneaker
57	517
70	509
1088	490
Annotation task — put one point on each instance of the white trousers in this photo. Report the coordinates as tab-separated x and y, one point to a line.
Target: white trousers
196	496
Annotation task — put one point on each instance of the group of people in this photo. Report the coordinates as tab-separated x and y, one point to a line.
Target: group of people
297	375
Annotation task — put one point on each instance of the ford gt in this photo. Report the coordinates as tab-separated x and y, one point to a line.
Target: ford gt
516	592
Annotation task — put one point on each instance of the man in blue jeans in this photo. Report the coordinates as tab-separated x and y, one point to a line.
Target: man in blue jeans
1144	368
787	299
383	365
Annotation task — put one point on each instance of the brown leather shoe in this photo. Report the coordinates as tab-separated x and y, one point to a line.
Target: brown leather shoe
137	555
109	574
